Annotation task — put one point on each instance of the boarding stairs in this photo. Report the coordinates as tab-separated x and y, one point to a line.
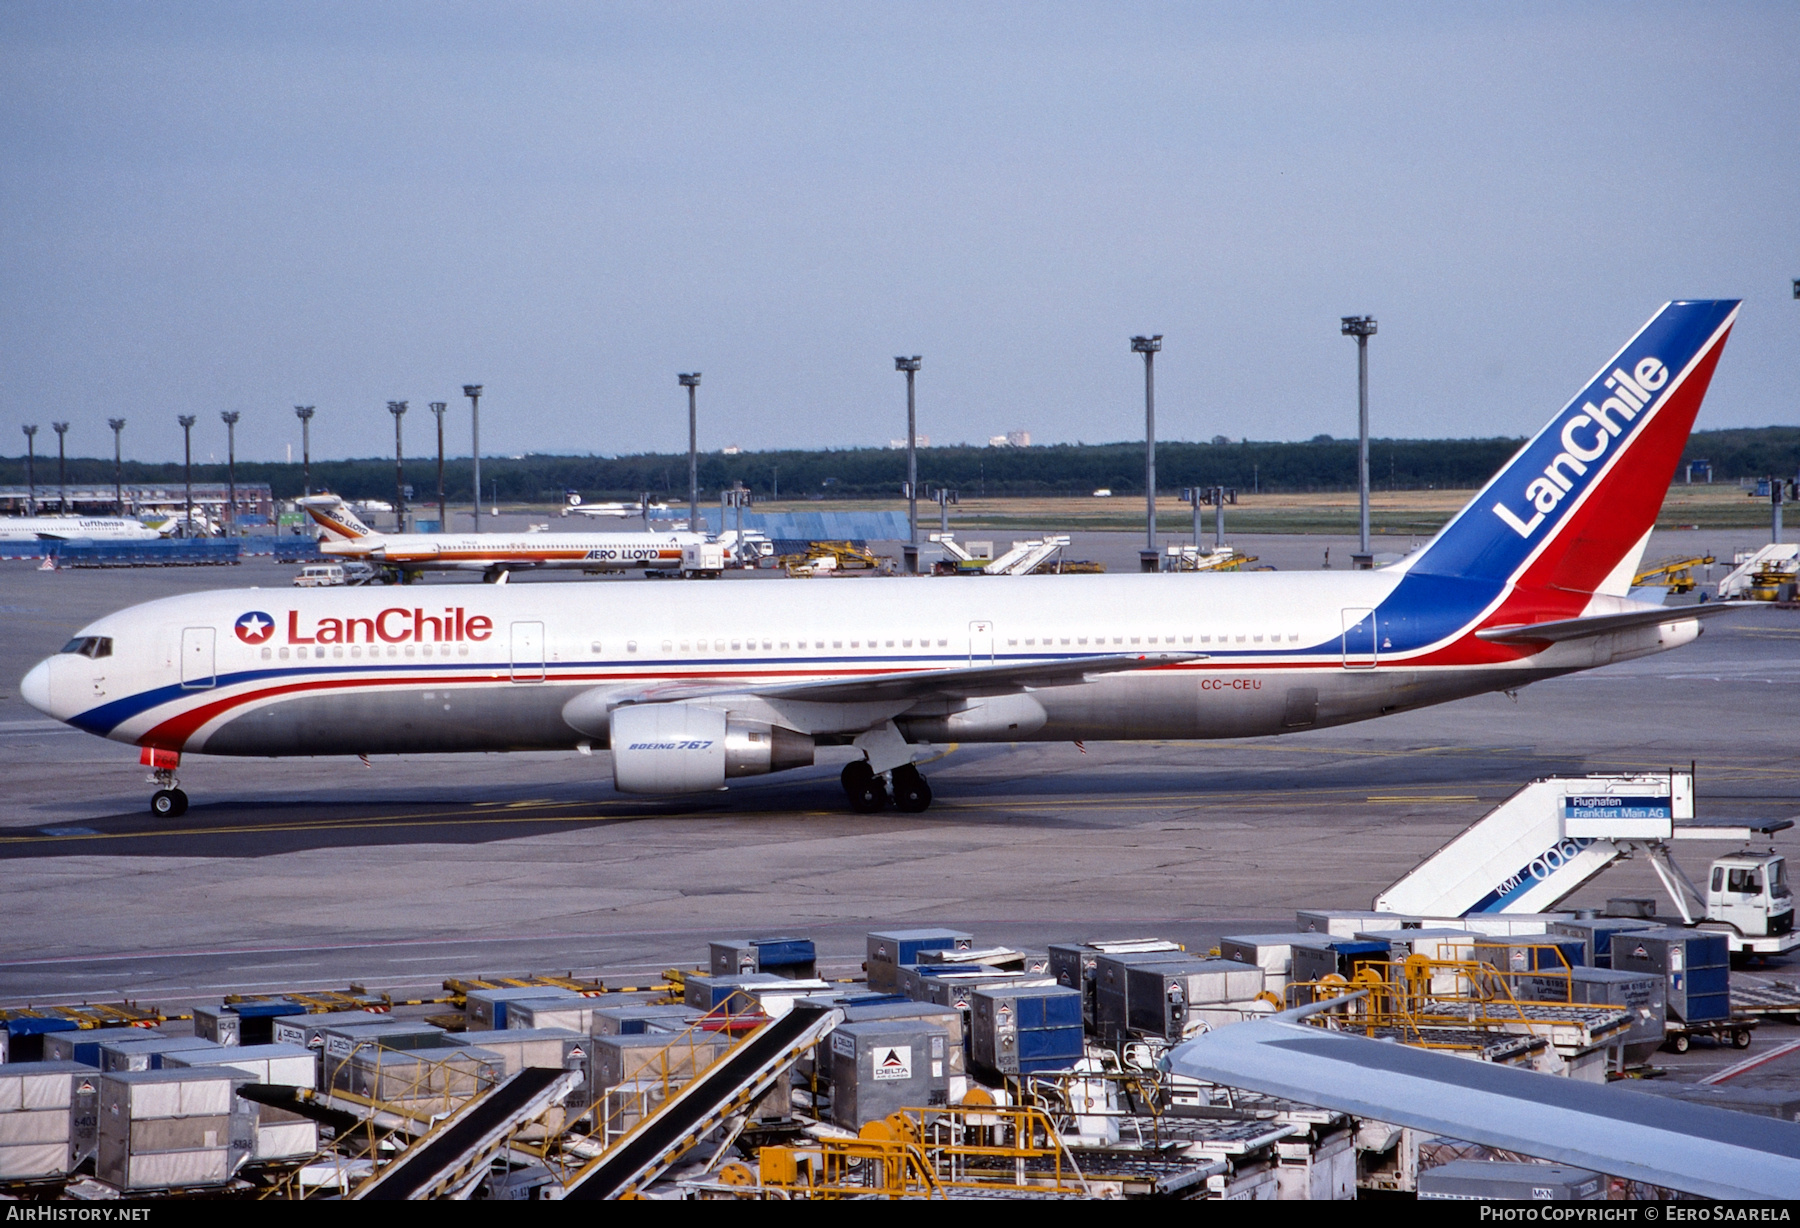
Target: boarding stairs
746	1072
1774	560
451	1158
1549	839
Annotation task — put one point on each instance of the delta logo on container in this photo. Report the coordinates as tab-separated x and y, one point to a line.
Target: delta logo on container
255	627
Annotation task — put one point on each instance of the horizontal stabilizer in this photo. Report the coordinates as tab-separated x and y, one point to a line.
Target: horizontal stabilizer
1604	624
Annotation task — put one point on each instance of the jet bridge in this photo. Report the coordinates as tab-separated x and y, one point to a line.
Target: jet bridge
1555	835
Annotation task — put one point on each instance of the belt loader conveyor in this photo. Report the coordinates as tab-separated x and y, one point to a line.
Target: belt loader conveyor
1552	837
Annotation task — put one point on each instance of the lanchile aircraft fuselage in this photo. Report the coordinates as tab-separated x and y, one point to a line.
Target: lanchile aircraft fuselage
690	686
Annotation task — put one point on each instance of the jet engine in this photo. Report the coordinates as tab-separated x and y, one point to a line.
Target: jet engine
686	748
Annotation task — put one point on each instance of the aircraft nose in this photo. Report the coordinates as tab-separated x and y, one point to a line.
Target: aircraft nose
34	688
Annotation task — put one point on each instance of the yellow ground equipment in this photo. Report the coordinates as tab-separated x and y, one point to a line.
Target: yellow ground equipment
822	558
1677	575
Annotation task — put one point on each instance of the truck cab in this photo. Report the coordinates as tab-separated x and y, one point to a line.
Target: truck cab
1749	893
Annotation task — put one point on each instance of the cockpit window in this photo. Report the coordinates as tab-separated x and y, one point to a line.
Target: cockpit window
93	646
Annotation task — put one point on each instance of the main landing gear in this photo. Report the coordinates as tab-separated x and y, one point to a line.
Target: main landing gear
168	802
869	792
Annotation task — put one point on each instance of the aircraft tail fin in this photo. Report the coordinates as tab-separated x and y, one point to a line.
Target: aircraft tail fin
1573	509
335	519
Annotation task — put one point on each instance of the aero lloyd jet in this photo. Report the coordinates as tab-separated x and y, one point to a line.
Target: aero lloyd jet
495	554
689	692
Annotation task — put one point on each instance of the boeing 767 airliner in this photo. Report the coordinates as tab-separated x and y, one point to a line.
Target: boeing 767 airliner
690	686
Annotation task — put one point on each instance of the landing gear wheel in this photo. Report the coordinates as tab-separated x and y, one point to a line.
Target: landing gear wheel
1740	1039
168	803
1679	1042
911	794
868	793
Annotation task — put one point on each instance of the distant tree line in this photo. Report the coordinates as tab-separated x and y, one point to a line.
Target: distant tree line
1320	464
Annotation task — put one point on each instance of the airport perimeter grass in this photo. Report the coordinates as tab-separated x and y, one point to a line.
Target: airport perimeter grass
1398	513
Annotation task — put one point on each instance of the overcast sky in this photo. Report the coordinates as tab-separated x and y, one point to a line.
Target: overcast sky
251	206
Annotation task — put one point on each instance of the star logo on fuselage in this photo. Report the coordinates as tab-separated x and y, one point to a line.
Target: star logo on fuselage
255	627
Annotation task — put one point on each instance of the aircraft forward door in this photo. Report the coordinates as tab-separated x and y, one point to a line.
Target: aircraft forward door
1359	639
528	652
981	643
198	667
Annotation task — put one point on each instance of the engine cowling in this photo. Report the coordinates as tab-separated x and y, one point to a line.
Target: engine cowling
686	748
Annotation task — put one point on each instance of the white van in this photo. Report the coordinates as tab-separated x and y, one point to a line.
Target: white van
320	575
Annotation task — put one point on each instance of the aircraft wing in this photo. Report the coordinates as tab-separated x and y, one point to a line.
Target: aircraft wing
1690	1147
960	683
1602	624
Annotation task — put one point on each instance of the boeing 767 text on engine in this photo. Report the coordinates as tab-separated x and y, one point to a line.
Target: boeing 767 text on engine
1527	582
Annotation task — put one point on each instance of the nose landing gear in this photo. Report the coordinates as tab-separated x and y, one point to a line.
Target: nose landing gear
869	792
168	802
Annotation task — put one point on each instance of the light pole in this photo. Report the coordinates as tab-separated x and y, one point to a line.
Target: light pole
944	498
187	470
30	469
398	409
691	382
230	418
473	392
305	414
1148	346
62	481
911	367
438	408
1362	328
118	424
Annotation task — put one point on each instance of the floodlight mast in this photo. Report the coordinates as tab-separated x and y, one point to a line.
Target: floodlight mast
691	381
187	471
305	414
473	392
911	367
1362	328
438	408
1148	346
230	418
118	424
398	409
30	468
62	480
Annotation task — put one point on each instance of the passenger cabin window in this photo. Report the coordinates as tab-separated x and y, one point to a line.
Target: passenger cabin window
92	646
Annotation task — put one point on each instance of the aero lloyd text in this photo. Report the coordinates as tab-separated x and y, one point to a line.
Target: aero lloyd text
395	626
1585	438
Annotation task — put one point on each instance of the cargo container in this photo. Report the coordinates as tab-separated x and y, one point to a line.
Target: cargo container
1537	953
1025	1030
709	993
47	1118
1072	965
169	1129
637	1019
82	1047
1346	922
1598	934
790	957
1160	997
286	1065
1111	989
570	1014
306	1029
22	1039
440	1079
891	948
881	1067
244	1023
548	1048
667	1060
486	1008
1695	964
1336	957
1273	953
145	1052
